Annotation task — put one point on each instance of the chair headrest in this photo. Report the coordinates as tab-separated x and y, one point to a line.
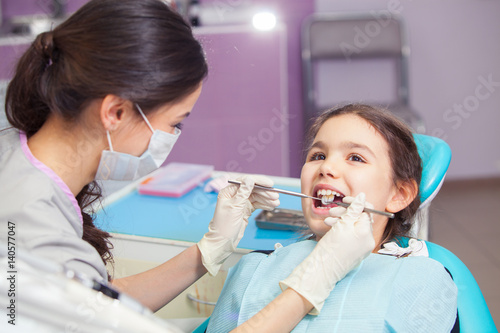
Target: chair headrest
436	157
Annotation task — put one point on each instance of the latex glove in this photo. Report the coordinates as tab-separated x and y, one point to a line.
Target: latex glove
235	204
341	249
337	212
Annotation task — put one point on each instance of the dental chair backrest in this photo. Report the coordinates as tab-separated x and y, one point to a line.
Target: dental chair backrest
436	157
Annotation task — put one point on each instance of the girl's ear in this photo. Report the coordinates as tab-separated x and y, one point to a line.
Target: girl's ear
405	194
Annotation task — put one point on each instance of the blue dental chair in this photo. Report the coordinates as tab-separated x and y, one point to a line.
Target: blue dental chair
473	313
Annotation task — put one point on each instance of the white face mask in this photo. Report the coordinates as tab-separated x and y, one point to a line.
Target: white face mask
121	166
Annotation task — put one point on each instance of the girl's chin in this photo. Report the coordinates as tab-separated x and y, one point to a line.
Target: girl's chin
318	227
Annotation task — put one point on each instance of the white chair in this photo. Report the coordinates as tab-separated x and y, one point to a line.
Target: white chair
336	36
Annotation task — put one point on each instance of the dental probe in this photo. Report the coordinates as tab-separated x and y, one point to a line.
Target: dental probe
302	195
272	189
368	210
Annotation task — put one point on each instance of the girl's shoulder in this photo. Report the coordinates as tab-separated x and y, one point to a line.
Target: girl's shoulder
409	265
408	252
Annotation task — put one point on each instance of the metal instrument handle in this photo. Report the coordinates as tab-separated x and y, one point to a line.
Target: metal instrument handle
196	300
302	195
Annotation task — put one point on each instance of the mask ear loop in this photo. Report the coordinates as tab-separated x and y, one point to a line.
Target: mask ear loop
144	117
109	141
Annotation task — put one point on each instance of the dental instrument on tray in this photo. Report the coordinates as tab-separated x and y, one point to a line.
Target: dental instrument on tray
302	195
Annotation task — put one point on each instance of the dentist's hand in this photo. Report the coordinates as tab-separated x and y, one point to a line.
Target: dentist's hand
342	248
235	204
338	212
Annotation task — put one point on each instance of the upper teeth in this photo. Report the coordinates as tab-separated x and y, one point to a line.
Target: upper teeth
327	192
327	196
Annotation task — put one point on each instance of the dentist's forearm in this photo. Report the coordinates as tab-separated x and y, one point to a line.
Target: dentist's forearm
158	286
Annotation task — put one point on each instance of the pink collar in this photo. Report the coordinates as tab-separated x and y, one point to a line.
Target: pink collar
49	172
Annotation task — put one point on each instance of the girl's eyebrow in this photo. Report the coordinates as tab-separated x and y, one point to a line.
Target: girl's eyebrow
344	145
355	145
318	144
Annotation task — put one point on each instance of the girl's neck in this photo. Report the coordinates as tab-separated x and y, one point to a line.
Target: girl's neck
70	151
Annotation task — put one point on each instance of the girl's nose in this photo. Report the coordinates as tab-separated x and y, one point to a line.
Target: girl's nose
329	169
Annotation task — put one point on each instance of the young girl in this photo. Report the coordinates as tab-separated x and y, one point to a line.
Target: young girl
362	152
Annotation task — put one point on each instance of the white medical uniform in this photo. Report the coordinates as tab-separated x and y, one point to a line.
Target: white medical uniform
383	294
44	213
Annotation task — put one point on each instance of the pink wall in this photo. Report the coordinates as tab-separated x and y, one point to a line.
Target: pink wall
291	13
240	123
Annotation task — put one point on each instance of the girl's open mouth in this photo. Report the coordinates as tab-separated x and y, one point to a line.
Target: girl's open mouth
329	198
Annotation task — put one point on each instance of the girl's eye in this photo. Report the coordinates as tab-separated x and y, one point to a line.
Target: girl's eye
317	157
356	158
179	126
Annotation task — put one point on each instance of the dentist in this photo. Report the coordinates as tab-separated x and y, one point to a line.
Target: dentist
103	96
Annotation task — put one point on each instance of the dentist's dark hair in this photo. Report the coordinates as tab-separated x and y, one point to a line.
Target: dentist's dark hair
140	50
406	163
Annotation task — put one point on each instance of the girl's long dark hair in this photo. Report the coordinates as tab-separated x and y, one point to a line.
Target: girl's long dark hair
139	50
406	163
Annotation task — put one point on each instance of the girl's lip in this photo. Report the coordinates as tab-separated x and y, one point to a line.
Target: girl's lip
321	211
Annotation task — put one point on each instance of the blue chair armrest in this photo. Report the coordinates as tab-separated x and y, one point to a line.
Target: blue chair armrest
473	313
